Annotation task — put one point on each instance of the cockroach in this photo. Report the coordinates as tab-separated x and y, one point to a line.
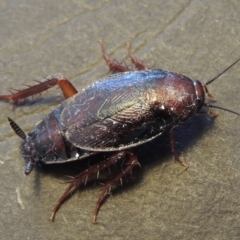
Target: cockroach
115	114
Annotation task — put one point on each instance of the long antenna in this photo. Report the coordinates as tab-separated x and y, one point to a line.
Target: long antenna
210	81
225	109
211	97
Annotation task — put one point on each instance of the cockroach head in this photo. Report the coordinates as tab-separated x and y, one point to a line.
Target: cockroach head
199	93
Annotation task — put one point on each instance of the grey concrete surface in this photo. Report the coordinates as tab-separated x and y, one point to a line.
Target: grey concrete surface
196	38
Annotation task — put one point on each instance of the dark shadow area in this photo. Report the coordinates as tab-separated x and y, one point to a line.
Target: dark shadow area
185	135
39	100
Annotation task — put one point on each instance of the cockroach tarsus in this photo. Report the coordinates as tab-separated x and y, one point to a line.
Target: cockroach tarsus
113	115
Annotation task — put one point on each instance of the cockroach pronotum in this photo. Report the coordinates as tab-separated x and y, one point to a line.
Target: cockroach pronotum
114	114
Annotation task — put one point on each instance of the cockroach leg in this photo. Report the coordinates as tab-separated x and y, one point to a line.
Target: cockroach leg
83	176
138	64
175	152
114	66
67	88
131	163
210	96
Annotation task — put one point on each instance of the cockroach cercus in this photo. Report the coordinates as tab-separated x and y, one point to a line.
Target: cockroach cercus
114	114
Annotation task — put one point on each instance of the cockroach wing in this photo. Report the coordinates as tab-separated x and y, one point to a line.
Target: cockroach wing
113	114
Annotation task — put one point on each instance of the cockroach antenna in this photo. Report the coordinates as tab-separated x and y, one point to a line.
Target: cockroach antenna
220	74
211	97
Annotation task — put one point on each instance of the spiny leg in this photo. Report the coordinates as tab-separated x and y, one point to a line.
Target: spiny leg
138	64
67	88
175	152
83	177
113	65
131	163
